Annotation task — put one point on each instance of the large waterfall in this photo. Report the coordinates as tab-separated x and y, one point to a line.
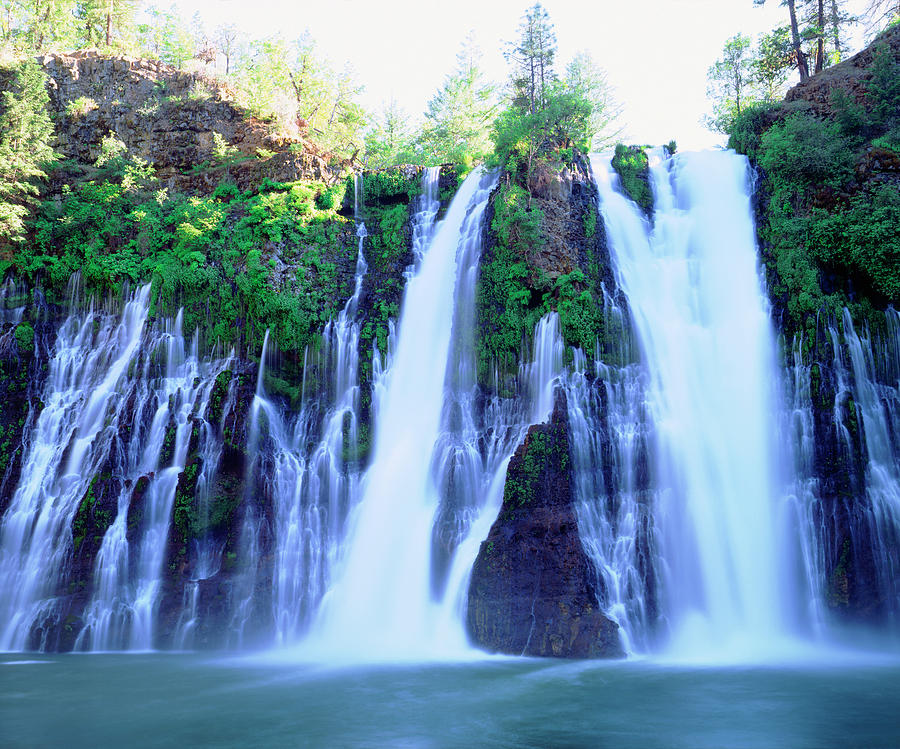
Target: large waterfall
691	280
726	499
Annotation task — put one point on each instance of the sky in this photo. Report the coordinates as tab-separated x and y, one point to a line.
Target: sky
656	52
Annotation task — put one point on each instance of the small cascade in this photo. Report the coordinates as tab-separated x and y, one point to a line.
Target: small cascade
12	310
170	389
694	293
84	400
867	415
804	510
309	465
611	427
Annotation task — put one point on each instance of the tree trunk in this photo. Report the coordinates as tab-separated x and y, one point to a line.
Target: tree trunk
108	28
798	48
820	42
836	29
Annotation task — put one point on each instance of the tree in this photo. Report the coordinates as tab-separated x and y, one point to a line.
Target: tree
772	63
103	20
25	151
730	81
532	59
389	140
837	19
586	79
458	117
292	83
37	25
166	37
227	40
800	57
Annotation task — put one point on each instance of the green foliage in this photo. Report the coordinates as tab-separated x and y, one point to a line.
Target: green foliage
803	150
633	167
80	107
25	150
237	262
861	242
508	308
831	240
884	88
389	186
588	81
458	116
25	338
729	82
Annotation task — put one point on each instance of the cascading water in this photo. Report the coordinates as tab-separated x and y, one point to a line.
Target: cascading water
83	399
693	287
381	601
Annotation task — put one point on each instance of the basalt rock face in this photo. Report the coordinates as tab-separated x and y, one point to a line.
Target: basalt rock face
853	76
172	120
532	590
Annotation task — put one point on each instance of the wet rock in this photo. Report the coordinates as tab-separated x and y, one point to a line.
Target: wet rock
533	589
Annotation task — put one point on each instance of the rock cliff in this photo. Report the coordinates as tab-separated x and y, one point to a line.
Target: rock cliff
186	125
533	589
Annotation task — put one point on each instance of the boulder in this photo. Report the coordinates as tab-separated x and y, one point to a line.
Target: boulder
533	588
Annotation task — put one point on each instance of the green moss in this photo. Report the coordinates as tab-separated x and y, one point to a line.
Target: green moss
633	167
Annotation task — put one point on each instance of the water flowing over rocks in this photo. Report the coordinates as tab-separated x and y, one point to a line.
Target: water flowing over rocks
532	589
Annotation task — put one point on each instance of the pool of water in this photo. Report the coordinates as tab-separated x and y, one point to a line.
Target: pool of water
192	700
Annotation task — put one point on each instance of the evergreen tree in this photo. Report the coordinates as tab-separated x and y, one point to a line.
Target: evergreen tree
800	56
103	22
532	59
36	25
25	151
772	63
389	140
587	80
458	117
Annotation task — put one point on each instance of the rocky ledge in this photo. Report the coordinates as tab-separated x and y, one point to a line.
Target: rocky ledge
533	589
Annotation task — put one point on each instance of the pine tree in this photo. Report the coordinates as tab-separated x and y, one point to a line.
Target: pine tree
458	117
730	81
532	59
800	56
585	79
25	150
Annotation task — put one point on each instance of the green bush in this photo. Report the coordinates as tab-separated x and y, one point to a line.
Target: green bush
805	151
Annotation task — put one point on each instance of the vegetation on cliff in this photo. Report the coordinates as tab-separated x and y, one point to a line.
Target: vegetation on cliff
544	199
831	181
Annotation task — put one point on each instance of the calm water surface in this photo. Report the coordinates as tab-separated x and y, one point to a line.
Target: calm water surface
190	700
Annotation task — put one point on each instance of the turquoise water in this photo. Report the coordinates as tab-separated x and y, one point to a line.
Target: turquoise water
189	700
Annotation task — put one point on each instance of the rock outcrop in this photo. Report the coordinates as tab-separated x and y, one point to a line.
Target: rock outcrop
187	125
533	590
853	76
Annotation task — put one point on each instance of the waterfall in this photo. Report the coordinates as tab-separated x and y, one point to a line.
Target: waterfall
381	597
694	291
844	427
83	399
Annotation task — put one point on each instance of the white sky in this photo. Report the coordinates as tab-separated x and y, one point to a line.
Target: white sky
656	51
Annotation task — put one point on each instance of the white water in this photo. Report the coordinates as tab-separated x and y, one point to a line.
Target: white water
693	287
380	601
70	440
